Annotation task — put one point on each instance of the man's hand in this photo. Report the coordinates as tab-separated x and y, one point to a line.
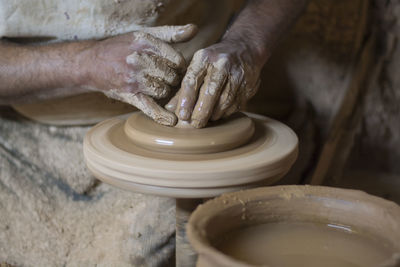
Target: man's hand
222	77
137	67
219	80
134	67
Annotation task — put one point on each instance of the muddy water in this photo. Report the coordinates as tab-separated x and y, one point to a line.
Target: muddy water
304	244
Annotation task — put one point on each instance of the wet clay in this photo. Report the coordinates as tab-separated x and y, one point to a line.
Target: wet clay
137	164
218	136
288	226
304	244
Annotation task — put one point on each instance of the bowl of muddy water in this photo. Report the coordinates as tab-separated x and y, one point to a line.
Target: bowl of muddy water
285	226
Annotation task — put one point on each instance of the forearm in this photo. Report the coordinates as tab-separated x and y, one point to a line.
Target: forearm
38	71
261	24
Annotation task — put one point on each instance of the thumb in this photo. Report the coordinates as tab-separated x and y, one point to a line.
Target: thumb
171	105
173	34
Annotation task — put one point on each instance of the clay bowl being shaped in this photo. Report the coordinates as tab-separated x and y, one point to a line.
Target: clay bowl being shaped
296	226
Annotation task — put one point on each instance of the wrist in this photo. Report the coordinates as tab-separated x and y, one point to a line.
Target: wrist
257	52
79	70
58	67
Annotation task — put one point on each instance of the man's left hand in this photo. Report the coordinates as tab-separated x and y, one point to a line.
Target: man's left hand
219	81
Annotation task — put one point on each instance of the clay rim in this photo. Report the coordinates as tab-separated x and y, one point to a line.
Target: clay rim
203	213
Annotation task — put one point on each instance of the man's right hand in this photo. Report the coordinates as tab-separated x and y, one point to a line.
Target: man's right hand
137	67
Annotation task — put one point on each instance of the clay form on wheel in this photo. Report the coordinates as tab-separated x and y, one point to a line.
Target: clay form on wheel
216	137
124	152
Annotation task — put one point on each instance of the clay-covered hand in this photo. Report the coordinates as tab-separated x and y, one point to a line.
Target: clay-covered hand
137	67
219	81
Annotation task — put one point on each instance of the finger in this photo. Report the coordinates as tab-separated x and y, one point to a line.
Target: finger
153	110
209	94
226	100
252	90
155	46
155	88
235	107
172	104
161	71
152	66
190	86
242	96
173	34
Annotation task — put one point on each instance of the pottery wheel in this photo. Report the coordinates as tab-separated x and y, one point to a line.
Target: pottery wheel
137	154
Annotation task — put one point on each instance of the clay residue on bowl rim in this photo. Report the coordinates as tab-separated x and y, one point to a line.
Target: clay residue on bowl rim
315	204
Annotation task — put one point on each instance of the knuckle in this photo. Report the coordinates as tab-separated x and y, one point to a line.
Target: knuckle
168	75
212	88
200	54
141	35
133	59
160	92
173	79
189	80
221	65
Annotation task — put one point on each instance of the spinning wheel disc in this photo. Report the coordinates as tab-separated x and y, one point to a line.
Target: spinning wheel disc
114	158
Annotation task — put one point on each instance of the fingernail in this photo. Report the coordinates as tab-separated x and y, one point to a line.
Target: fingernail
169	107
183	114
184	29
181	34
197	123
185	32
168	120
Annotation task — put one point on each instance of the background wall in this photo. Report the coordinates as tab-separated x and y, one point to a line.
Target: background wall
334	81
